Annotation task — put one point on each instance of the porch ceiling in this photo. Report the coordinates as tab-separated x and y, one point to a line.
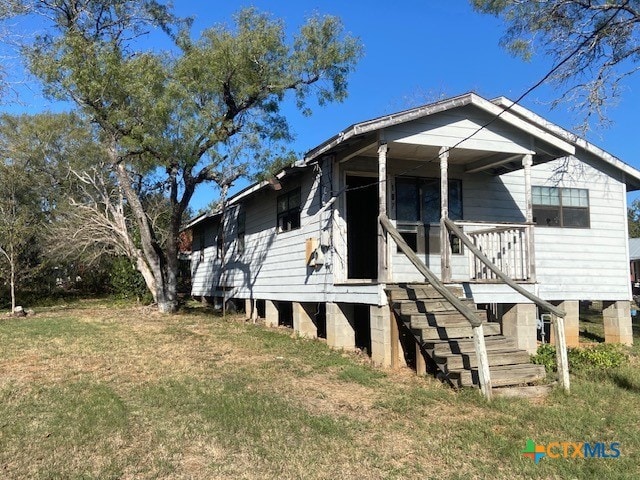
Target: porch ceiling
473	161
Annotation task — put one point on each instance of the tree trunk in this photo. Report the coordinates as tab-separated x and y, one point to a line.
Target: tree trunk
13	280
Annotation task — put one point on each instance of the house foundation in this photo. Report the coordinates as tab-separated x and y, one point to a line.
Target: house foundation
251	309
380	321
571	323
303	315
519	322
271	313
617	322
340	329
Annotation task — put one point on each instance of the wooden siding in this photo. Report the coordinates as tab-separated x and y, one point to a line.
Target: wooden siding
446	129
273	265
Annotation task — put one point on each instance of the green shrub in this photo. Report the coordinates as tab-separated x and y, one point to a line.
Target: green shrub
126	281
601	357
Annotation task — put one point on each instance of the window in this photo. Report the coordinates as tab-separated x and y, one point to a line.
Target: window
240	229
418	200
418	212
561	207
289	211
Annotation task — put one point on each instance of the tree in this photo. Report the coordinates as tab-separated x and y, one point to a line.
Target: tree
633	219
38	154
203	111
595	44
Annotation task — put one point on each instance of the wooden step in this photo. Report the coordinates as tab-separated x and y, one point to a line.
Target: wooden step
469	360
440	319
434	305
444	347
419	292
455	331
507	375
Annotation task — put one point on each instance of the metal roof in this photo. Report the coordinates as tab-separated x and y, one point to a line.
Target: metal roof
634	249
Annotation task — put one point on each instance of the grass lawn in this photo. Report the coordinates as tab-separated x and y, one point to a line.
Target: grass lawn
97	390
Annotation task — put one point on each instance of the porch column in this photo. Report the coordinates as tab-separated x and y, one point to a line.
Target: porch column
617	322
527	163
382	210
445	254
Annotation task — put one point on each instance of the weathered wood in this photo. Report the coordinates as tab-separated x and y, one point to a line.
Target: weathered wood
445	254
499	273
421	364
382	210
527	163
484	375
561	352
395	339
481	352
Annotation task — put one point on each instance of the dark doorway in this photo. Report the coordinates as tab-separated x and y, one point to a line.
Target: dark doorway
362	227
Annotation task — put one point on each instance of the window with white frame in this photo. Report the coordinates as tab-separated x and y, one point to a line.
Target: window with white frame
288	206
561	207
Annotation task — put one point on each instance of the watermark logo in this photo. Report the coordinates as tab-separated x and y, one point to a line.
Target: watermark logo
537	451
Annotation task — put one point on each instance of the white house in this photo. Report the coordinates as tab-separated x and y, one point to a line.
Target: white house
545	206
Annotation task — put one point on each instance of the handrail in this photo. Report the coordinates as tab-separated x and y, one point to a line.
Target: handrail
469	314
484	375
499	273
557	314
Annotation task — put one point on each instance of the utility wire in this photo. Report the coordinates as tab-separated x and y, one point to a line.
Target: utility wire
573	53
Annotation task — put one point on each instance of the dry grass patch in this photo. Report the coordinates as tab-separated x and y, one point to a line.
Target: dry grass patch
100	392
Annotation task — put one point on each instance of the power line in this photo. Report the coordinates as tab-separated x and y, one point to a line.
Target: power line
573	53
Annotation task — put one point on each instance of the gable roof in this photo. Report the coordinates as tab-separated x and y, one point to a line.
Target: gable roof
501	108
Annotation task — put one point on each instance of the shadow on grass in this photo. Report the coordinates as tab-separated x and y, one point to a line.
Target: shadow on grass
625	383
591	336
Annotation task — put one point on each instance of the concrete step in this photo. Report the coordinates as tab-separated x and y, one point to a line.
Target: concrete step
469	360
444	347
458	330
505	375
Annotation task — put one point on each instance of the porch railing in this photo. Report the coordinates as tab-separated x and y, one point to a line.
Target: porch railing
476	324
506	246
557	315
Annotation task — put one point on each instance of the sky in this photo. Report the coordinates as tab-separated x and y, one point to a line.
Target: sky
415	52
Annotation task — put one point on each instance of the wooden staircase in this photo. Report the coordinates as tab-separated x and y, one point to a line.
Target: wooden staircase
445	336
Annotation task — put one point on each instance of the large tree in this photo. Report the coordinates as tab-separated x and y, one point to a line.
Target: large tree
201	111
595	44
39	154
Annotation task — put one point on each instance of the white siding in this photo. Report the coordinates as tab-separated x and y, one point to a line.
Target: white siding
446	129
273	265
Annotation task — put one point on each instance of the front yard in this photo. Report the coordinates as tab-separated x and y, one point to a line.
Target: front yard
97	390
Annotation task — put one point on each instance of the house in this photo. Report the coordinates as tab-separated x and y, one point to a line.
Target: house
309	248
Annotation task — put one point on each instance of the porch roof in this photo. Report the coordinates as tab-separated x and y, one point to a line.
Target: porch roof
549	141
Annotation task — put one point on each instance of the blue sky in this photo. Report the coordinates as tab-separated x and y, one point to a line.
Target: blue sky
415	52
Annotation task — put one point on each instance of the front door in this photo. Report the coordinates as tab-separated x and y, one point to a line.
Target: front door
362	227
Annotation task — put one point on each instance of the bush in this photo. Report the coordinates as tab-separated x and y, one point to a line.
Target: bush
127	282
600	357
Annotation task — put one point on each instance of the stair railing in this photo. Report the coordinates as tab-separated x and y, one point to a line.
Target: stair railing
484	376
557	315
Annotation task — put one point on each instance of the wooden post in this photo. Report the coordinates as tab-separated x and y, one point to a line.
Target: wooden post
527	163
484	376
445	245
421	364
561	352
382	210
395	339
